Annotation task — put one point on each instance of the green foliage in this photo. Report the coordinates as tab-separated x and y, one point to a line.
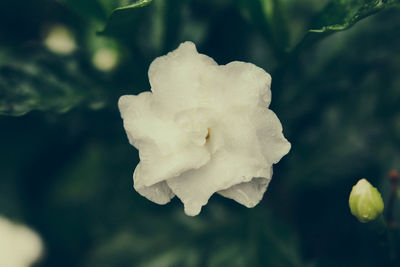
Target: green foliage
95	9
66	165
271	18
126	15
340	15
42	83
139	3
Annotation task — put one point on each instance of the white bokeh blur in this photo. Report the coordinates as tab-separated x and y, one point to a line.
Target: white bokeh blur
19	245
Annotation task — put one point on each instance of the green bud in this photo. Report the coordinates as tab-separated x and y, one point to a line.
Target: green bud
365	201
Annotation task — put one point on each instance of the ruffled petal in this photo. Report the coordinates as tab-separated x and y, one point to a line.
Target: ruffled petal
235	84
272	143
247	83
237	159
165	150
174	78
226	169
159	193
248	194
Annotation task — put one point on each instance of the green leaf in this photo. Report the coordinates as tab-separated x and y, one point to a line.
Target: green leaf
149	30
139	3
124	15
43	82
340	15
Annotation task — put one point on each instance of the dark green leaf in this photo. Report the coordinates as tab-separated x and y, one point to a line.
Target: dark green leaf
340	15
125	15
42	83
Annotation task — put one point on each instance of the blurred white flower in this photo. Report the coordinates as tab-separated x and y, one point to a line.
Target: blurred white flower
204	128
19	245
105	59
60	40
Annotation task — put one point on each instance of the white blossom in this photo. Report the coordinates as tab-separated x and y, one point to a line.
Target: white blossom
60	40
203	128
105	59
19	245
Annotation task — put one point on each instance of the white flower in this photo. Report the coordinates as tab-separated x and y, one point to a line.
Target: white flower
203	128
60	40
105	59
19	246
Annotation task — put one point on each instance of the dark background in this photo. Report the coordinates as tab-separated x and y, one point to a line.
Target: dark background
66	165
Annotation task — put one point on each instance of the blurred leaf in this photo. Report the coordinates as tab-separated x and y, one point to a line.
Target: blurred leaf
139	3
230	254
263	240
276	16
174	257
148	30
88	8
43	83
102	10
270	17
125	15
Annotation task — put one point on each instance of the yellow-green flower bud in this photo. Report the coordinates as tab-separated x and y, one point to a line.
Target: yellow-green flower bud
365	201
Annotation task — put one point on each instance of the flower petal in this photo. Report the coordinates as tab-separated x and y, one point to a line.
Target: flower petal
195	187
248	194
174	78
248	82
165	150
244	84
272	143
159	193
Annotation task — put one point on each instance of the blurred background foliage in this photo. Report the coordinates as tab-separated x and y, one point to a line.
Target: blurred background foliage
66	165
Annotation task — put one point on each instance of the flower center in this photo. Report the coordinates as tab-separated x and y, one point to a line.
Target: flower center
208	134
